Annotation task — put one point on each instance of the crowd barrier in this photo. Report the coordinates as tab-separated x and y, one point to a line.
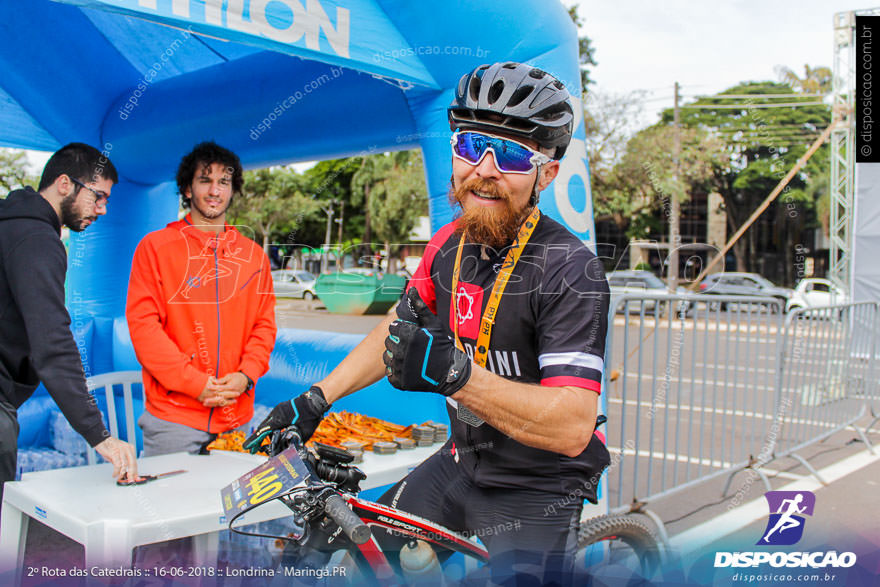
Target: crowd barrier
703	386
826	376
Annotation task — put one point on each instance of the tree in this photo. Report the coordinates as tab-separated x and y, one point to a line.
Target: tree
13	171
643	181
330	181
585	49
272	204
392	187
816	80
764	137
610	121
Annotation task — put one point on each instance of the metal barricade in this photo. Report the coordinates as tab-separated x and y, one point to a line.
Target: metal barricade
690	384
700	386
826	377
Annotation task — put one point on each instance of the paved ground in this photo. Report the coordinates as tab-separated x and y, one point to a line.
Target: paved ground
292	313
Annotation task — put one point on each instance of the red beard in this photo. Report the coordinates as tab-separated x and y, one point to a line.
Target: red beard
494	226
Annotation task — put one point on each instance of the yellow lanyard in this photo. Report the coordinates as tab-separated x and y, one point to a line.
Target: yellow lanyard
488	319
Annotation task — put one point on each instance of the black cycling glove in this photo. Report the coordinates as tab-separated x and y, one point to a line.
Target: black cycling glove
305	412
419	354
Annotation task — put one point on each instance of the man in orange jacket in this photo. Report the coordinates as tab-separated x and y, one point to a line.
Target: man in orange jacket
201	312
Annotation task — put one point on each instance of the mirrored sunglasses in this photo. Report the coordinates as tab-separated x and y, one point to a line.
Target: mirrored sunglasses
510	156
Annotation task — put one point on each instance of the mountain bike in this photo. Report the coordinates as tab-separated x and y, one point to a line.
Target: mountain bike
320	489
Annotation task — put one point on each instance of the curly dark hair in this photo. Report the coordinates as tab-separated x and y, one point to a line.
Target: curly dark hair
203	155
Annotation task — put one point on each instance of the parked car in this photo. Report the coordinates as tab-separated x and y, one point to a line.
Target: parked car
743	284
814	292
642	283
294	283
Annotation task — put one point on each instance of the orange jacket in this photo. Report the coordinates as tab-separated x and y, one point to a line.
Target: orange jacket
199	305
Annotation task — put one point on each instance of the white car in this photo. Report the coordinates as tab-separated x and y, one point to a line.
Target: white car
294	283
814	292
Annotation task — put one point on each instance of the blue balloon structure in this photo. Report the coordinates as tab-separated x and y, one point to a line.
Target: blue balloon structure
276	81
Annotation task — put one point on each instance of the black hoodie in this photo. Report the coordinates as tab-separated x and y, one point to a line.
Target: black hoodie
36	343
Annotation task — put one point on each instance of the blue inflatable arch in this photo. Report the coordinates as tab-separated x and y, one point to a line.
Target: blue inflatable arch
277	81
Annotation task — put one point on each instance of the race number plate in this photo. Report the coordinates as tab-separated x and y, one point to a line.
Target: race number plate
275	477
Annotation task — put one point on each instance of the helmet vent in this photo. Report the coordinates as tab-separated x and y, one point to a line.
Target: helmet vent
495	91
475	88
520	125
519	95
536	73
553	114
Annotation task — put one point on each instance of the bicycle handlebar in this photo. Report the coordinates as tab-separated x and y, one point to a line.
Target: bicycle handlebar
351	525
334	506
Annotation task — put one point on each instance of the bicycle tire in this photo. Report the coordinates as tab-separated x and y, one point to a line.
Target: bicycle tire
626	528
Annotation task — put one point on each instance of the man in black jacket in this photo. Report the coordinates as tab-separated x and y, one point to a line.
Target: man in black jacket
36	343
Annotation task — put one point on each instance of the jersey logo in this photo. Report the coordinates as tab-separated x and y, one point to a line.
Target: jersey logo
465	305
468	303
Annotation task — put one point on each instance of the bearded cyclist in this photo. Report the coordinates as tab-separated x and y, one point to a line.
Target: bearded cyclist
518	352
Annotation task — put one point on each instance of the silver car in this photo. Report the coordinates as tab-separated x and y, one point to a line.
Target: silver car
643	283
294	283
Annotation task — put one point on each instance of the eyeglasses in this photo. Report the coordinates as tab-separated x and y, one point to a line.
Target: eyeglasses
510	156
100	197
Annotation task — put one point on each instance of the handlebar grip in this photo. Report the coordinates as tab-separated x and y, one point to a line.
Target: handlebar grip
340	513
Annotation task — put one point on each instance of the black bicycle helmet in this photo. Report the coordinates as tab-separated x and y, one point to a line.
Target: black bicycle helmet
516	99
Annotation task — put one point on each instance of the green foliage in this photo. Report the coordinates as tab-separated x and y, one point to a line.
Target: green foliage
13	171
610	120
272	203
392	186
644	180
763	141
329	182
282	206
763	144
816	80
642	224
586	51
753	131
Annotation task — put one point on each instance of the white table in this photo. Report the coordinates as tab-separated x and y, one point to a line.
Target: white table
86	505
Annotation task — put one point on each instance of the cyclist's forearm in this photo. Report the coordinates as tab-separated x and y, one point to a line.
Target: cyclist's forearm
558	419
362	367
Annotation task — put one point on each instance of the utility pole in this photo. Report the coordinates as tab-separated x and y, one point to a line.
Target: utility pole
339	222
324	258
674	212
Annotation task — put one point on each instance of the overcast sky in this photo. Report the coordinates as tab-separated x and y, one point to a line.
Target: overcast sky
705	45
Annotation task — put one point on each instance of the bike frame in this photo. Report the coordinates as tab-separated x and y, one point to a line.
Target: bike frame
320	538
370	557
405	524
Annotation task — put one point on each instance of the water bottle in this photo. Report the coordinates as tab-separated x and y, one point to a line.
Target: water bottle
419	563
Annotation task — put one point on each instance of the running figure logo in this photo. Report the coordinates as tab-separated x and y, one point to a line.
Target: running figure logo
786	523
